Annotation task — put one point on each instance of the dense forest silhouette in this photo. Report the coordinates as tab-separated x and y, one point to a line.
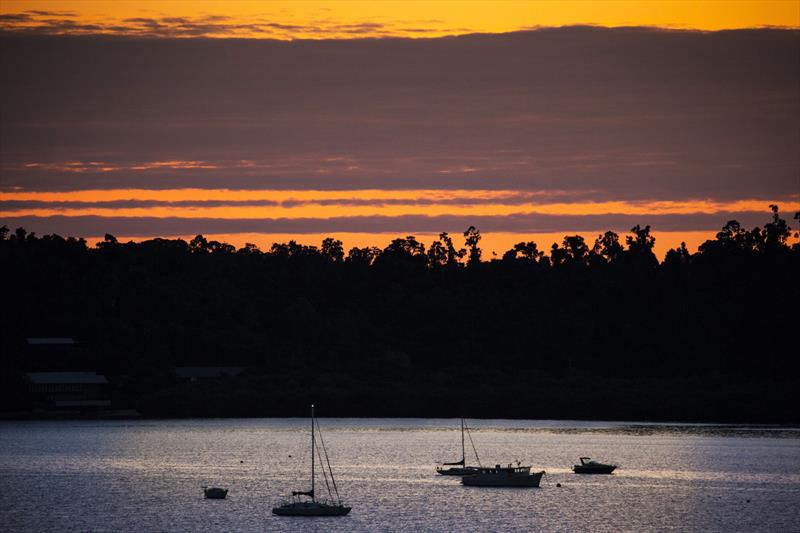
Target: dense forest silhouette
585	329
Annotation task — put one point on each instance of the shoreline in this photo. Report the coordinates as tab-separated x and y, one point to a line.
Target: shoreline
133	415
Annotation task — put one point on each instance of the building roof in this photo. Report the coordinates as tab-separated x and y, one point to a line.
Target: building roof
207	372
83	403
76	378
50	340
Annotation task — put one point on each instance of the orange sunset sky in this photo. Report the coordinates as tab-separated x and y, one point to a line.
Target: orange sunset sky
270	121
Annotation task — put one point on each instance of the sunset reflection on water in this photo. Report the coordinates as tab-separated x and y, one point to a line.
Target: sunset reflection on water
147	475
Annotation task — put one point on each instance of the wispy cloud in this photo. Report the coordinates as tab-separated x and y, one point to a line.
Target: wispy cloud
35	22
65	14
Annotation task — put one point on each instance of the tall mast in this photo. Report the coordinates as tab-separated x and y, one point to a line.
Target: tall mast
463	452
313	495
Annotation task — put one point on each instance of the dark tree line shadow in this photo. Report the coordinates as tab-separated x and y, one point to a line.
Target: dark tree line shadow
588	330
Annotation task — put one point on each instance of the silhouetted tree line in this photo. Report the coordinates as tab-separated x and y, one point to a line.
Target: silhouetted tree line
590	330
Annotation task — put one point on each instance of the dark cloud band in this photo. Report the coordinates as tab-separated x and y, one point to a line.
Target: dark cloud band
632	112
512	199
94	226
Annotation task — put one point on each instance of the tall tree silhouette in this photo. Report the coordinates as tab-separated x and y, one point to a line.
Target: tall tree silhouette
776	232
677	256
573	251
524	251
363	256
608	247
333	249
640	246
472	237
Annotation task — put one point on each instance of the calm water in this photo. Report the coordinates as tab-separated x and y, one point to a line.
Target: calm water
146	476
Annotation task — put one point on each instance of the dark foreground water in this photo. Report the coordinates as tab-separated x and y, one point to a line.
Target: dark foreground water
146	476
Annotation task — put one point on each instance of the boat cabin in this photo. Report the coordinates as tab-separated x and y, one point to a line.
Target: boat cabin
510	469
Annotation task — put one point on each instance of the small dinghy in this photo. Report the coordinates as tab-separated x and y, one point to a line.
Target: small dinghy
215	493
588	466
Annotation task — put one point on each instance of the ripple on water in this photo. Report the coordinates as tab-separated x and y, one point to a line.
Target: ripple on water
147	475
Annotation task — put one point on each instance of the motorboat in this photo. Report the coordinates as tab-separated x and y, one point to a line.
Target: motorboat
504	476
588	466
460	468
305	503
214	493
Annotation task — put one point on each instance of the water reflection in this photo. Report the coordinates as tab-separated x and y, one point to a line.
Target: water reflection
147	476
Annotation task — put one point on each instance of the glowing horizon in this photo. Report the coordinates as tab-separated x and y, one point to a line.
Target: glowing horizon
284	20
493	244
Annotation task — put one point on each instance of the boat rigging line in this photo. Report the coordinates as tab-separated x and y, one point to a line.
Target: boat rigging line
328	461
473	446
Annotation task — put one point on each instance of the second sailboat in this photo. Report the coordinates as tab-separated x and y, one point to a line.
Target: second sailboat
460	468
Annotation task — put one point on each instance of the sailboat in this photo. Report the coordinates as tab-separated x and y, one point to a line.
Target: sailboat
460	468
305	503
